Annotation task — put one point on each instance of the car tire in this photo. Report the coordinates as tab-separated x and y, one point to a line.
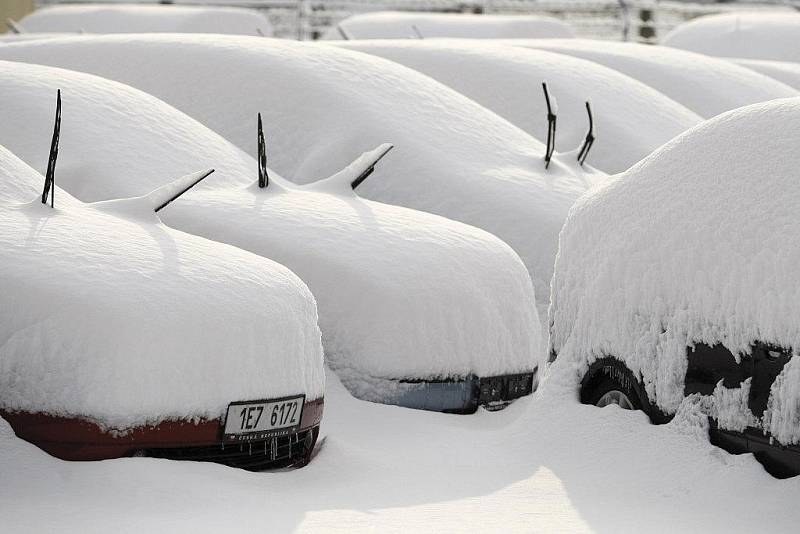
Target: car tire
611	382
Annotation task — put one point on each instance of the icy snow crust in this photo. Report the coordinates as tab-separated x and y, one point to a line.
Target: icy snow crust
741	34
784	71
322	106
508	80
693	244
108	315
399	25
401	293
706	85
137	18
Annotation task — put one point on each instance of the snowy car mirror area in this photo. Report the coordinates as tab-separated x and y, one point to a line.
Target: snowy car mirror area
709	312
318	266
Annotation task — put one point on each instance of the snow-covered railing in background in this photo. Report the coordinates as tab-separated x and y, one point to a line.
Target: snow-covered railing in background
634	20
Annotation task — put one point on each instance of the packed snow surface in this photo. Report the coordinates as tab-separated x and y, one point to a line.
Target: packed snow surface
109	315
137	18
322	106
741	34
544	465
693	244
784	71
508	80
401	293
399	25
706	85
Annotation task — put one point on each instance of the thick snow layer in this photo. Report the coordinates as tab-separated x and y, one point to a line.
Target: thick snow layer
323	105
399	25
401	294
784	71
741	34
508	80
108	314
693	244
706	85
135	18
545	464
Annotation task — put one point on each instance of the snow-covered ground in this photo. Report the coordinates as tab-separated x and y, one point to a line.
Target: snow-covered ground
545	464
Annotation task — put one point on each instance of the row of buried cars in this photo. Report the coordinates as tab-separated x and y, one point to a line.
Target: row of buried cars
673	287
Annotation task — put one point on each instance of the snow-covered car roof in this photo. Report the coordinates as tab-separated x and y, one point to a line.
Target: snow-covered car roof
697	243
401	294
138	18
706	85
415	25
741	34
110	316
323	105
787	72
515	93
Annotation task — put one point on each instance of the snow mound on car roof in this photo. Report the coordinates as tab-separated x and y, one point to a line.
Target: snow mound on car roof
706	85
135	18
108	314
515	94
398	25
753	35
693	244
784	71
406	294
322	106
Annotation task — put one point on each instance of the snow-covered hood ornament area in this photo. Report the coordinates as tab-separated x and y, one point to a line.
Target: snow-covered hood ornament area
404	297
690	253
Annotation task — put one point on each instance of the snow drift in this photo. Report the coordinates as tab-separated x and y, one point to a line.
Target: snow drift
323	105
399	25
109	315
694	244
632	119
741	34
137	18
401	294
706	85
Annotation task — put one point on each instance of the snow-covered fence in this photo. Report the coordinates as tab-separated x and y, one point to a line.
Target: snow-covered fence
634	20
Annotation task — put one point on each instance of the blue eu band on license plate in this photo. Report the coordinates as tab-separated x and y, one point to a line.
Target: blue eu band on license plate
248	420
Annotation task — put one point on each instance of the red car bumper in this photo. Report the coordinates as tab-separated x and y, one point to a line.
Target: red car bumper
79	439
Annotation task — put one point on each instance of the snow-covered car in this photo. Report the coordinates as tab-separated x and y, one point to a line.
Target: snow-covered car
418	25
787	72
414	309
676	285
133	18
706	85
617	101
741	34
122	337
323	105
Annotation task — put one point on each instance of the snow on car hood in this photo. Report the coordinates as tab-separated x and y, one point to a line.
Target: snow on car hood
706	85
618	102
752	35
697	243
109	315
323	105
123	18
400	25
406	294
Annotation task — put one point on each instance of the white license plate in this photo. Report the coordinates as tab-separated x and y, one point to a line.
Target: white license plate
260	419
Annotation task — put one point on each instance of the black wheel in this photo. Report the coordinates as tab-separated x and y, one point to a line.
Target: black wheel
611	382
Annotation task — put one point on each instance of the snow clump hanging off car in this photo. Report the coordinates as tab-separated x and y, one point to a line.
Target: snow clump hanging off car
323	105
415	309
679	277
120	336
